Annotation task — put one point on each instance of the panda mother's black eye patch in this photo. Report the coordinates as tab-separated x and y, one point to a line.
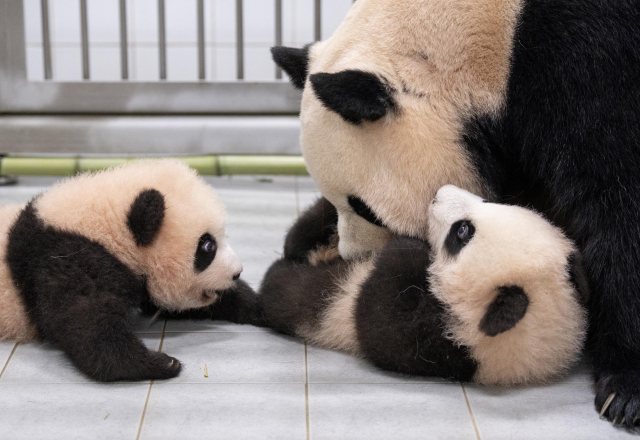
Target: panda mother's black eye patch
364	211
453	244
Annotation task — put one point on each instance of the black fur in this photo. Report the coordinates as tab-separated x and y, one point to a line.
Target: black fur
568	143
79	296
363	210
315	227
355	95
453	243
400	322
294	62
238	304
204	256
505	311
578	276
145	216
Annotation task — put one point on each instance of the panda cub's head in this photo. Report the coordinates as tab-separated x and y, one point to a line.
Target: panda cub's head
512	285
160	219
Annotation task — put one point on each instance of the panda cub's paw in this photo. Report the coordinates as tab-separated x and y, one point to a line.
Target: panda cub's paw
163	366
618	398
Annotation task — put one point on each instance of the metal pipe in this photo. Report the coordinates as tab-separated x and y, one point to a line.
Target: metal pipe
239	40
212	165
162	40
124	44
46	39
278	33
317	15
201	43
84	35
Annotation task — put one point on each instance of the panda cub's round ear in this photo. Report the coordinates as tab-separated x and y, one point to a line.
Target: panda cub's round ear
145	216
506	310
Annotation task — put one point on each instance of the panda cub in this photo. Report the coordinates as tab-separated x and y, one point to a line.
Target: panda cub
77	260
494	297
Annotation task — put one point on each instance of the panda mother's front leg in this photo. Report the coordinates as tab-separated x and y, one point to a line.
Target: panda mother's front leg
400	323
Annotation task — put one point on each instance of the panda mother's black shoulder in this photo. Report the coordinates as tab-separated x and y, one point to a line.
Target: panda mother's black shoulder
400	322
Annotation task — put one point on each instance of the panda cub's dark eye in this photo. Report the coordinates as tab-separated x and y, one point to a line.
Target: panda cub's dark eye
205	252
459	235
463	231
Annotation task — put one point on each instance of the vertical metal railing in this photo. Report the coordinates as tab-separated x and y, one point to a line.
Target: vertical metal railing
317	20
84	38
46	39
201	43
239	40
162	40
278	33
124	44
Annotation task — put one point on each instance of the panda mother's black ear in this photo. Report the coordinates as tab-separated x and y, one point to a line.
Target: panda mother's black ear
294	61
145	216
355	95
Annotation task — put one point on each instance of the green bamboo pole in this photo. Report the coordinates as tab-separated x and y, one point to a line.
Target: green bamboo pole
213	165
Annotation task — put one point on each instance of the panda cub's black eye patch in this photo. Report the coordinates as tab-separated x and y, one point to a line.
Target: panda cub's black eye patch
205	252
363	210
459	236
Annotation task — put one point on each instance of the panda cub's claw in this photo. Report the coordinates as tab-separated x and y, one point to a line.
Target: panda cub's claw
618	399
164	366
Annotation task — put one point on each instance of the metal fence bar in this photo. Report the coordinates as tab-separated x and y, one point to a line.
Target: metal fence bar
84	35
162	40
278	33
201	46
239	40
317	15
46	39
124	44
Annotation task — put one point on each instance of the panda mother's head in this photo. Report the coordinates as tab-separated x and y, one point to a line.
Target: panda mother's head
384	104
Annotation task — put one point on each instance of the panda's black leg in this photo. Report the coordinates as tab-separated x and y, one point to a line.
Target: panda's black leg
96	333
315	227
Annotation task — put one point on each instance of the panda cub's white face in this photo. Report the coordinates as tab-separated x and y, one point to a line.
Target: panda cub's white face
484	250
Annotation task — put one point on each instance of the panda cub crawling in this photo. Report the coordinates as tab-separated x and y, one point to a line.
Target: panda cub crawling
494	297
77	259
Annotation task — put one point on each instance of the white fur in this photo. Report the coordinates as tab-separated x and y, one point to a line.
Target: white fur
511	246
445	60
96	206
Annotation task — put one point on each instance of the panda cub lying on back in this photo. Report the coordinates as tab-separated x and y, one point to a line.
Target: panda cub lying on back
80	257
495	297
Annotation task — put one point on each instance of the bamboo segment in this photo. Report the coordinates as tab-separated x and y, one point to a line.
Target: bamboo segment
220	165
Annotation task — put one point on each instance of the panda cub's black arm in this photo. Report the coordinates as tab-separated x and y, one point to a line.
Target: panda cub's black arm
314	228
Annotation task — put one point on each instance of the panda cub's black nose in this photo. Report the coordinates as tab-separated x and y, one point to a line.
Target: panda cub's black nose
236	276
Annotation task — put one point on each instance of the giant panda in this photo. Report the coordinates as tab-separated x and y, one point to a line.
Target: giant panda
530	102
79	257
495	295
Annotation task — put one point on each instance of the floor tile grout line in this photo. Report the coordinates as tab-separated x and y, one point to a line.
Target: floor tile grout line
146	402
473	419
6	364
306	389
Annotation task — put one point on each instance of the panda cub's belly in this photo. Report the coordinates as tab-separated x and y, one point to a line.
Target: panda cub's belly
15	324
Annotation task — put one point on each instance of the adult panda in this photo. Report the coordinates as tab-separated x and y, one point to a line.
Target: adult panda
77	259
528	101
494	296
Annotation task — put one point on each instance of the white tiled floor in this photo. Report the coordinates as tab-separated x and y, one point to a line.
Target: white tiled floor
262	385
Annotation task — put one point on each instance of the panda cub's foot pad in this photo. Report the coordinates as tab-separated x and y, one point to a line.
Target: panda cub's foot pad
505	311
618	398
